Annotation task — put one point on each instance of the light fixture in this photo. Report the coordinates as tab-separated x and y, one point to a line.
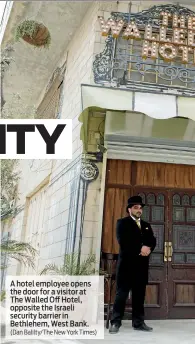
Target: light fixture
178	21
148	35
191	38
151	48
163	34
191	23
178	35
165	16
185	53
132	31
115	27
168	56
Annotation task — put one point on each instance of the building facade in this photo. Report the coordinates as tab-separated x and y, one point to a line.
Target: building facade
125	74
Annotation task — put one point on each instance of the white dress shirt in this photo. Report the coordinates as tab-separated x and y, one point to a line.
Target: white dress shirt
136	220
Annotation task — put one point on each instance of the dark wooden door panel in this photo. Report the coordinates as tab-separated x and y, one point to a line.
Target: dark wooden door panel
153	174
119	172
155	212
181	267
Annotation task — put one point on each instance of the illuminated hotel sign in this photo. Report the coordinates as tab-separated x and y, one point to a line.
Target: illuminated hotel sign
174	38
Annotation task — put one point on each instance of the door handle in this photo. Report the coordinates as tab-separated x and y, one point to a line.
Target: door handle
165	251
170	251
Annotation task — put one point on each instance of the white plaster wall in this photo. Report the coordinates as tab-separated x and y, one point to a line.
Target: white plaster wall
32	173
64	188
80	56
14	227
60	216
79	66
62	191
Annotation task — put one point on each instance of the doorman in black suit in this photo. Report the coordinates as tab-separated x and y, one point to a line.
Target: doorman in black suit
136	242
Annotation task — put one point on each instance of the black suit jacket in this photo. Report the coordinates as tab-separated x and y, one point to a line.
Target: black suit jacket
132	267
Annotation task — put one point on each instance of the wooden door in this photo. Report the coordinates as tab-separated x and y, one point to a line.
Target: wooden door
156	213
171	290
181	262
119	187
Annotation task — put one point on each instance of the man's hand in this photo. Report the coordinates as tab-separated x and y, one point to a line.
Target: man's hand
145	251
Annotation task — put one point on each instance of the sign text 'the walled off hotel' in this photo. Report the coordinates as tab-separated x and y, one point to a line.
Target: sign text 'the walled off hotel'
174	38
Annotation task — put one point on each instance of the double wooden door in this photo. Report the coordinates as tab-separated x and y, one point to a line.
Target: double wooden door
171	212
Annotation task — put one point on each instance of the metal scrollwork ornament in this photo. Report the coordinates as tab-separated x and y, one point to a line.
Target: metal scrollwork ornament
102	64
89	171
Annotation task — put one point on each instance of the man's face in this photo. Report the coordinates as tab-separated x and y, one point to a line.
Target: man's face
136	211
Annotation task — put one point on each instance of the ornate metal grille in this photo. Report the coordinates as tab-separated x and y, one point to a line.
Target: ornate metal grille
121	62
183	218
